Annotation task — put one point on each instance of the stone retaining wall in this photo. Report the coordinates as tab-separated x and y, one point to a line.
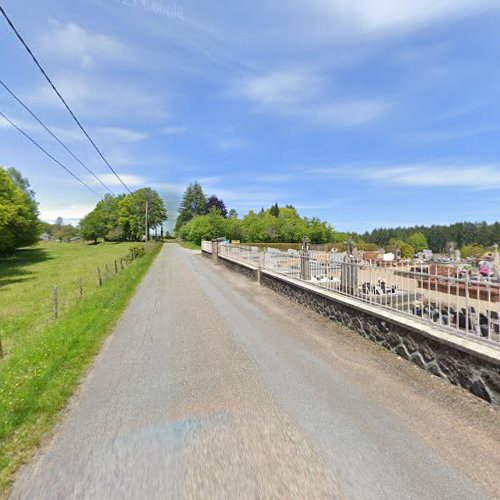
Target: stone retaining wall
465	364
248	271
480	376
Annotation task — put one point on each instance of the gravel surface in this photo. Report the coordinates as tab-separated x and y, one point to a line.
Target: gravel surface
214	387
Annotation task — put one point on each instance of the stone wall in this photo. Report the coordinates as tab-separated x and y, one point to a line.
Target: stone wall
241	268
448	358
473	372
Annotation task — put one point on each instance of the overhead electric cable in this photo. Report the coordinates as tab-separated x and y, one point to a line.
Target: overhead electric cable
54	135
25	45
48	154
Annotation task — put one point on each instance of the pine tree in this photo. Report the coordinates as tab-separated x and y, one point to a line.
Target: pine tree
194	202
275	210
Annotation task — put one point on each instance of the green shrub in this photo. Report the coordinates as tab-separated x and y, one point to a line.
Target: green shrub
136	251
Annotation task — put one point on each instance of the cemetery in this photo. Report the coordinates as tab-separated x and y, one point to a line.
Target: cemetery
444	290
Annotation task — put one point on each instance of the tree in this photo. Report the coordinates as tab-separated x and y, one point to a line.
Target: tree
123	218
275	210
215	202
132	213
19	222
472	250
418	242
194	202
204	227
407	250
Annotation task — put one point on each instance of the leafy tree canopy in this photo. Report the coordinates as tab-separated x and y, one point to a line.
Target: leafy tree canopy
19	222
123	218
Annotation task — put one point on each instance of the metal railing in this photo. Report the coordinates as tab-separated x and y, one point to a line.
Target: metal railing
206	246
443	297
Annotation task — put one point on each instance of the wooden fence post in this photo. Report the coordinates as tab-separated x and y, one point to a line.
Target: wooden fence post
121	264
116	267
107	271
80	284
99	277
56	303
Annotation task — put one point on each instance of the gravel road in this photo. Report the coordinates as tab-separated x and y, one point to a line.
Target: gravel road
214	387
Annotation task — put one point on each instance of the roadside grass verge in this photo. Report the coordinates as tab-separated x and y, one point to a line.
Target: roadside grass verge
37	380
189	245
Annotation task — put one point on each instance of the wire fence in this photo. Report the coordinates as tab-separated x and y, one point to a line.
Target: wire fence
445	297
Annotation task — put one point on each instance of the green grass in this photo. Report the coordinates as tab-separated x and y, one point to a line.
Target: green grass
28	277
40	373
189	245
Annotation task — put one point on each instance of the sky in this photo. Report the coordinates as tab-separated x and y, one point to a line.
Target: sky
365	114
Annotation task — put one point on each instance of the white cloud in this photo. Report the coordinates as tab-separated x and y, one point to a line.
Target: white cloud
132	181
278	178
169	187
282	89
173	130
99	97
350	113
475	177
121	134
301	93
71	213
349	18
432	175
71	41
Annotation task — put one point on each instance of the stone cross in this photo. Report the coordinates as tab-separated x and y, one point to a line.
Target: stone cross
305	242
350	245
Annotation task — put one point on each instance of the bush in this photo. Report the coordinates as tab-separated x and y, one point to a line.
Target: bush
135	252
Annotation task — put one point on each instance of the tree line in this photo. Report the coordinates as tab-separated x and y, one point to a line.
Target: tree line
439	237
59	231
202	217
123	217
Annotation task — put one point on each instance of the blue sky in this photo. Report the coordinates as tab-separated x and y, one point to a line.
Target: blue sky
366	114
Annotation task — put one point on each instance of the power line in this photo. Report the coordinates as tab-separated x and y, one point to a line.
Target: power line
21	39
54	135
48	154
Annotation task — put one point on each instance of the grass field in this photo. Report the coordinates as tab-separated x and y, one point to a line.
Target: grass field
46	359
28	277
189	245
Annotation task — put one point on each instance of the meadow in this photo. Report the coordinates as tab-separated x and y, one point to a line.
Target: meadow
27	279
45	359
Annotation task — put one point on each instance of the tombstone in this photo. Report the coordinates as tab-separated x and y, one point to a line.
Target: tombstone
457	257
428	254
